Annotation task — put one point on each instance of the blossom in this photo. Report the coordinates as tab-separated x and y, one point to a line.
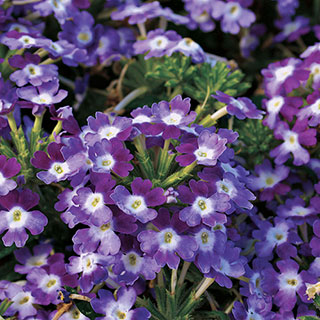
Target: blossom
31	71
312	110
16	217
287	7
118	309
46	94
8	97
268	180
57	168
190	49
164	245
250	41
205	205
315	241
8	169
233	16
137	204
293	139
205	150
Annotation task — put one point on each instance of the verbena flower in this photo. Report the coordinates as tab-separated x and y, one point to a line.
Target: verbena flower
8	97
17	217
312	110
8	169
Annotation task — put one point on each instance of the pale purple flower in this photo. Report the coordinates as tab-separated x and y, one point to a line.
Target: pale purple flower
8	97
118	309
8	169
139	202
169	240
205	150
46	94
251	40
232	15
287	7
293	141
31	70
241	108
312	110
312	63
268	180
17	217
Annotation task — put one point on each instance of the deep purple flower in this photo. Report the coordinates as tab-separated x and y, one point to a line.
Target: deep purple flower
8	97
16	217
157	44
283	76
233	16
287	284
241	108
118	309
205	205
281	235
293	139
57	168
46	94
8	169
137	204
110	155
164	245
205	150
31	71
45	283
41	257
292	30
315	241
268	180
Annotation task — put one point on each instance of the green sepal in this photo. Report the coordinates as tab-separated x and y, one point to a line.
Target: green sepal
5	304
6	149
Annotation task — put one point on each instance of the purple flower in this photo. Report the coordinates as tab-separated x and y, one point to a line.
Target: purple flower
93	268
8	97
293	139
205	150
287	7
16	217
287	284
8	169
292	30
268	180
250	41
72	313
57	168
312	110
280	236
190	49
241	108
312	63
233	16
283	76
228	264
46	94
41	257
102	128
315	241
46	282
164	245
118	309
31	71
172	116
206	206
110	155
157	44
137	204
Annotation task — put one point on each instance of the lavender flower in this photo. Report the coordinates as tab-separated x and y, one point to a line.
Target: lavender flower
315	241
205	205
118	309
17	217
293	139
8	97
206	150
31	71
241	108
251	40
190	49
137	204
287	7
8	169
164	245
312	110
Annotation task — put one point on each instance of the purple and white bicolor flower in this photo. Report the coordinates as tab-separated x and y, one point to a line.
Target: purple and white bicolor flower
118	309
111	155
139	202
206	206
268	180
241	108
57	168
8	97
164	245
46	94
205	150
190	49
312	110
8	169
31	70
293	139
17	217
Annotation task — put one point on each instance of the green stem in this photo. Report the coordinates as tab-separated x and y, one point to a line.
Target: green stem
130	97
142	30
206	98
163	160
205	285
174	275
183	273
12	123
35	134
304	232
211	120
55	131
50	61
160	279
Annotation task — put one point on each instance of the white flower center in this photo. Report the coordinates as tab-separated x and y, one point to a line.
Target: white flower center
135	204
16	217
43	98
32	70
275	104
172	118
283	73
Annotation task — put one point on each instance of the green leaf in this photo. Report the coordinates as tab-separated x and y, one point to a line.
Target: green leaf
86	309
309	318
